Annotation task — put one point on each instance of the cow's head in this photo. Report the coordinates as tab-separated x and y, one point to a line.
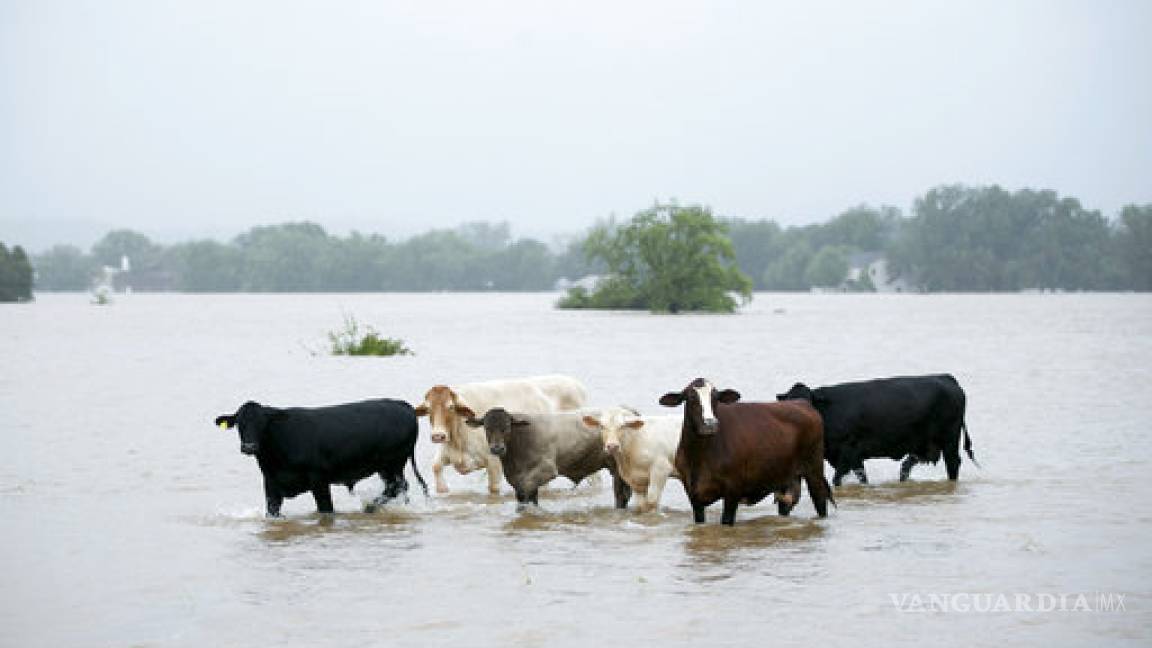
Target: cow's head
251	420
700	399
614	423
444	409
799	391
498	424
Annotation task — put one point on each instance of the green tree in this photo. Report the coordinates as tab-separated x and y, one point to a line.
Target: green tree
15	275
204	266
573	264
1134	247
863	228
986	238
828	267
756	244
284	258
145	258
64	267
524	265
666	259
788	271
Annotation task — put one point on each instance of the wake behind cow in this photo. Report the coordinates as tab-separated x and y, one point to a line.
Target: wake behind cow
536	448
465	448
742	452
308	449
917	418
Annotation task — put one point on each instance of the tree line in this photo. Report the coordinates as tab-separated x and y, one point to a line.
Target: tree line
303	257
956	238
15	274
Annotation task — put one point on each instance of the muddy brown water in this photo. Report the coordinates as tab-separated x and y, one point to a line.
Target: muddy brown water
129	520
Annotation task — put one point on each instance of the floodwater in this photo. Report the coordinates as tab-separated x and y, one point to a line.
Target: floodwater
129	520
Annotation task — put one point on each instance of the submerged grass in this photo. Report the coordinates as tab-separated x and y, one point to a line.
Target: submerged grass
352	340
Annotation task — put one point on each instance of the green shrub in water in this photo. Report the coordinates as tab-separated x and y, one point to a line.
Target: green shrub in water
351	340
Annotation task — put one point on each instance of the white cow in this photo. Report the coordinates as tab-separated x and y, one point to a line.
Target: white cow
465	448
568	393
644	448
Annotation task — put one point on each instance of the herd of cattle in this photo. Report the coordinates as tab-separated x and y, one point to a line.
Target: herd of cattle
529	431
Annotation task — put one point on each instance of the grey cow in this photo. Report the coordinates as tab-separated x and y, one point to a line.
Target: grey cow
536	448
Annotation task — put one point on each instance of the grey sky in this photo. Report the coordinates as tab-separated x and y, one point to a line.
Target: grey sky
202	118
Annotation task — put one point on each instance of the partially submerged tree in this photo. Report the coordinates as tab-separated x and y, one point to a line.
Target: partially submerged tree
666	259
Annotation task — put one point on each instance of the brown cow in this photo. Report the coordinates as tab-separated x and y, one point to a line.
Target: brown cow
746	451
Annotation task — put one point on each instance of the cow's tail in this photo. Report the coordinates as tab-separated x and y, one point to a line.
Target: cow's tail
968	445
828	489
419	477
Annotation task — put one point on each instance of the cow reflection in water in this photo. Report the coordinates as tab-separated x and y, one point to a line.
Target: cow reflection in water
717	545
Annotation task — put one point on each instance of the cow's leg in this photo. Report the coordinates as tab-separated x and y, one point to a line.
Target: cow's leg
526	495
697	510
272	498
952	463
622	491
521	498
861	476
438	471
323	495
906	467
395	484
495	474
818	489
657	478
729	515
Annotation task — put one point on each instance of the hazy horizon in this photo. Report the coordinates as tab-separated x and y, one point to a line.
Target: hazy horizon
202	120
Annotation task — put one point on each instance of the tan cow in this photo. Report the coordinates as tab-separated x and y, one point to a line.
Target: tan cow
465	448
644	448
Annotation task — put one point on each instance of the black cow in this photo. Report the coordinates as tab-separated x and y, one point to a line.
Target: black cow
918	418
307	449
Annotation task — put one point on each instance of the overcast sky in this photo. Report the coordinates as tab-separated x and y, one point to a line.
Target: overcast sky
202	118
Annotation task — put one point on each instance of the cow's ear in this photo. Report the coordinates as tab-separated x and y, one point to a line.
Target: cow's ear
226	422
591	422
672	399
728	396
472	421
635	424
465	411
518	423
422	409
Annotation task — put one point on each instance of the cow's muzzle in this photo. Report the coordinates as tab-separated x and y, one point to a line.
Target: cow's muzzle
438	438
249	448
497	449
611	448
709	427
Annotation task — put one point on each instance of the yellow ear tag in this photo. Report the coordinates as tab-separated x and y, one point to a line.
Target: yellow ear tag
223	425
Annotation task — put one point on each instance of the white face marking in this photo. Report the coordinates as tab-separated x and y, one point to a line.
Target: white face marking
614	425
705	394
